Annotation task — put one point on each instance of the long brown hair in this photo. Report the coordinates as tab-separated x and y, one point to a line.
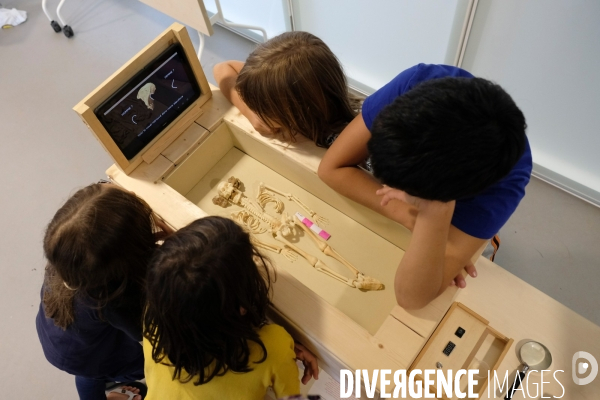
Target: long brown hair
296	81
208	292
98	245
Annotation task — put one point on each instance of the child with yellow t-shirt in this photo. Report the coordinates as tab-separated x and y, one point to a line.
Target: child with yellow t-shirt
205	329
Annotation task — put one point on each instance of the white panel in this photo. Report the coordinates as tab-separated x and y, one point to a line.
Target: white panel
377	39
189	12
272	15
546	54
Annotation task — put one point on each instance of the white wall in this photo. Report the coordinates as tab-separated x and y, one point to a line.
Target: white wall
272	15
362	33
546	54
377	39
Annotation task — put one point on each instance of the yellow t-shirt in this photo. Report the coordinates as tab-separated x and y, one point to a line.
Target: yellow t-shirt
279	370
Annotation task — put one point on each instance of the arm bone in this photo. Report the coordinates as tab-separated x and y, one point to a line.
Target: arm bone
296	200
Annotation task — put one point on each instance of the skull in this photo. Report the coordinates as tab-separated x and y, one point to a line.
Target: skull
228	190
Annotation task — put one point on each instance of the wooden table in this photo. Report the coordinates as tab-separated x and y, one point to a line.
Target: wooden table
512	306
522	312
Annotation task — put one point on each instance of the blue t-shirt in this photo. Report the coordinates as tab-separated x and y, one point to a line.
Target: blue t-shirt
480	216
101	345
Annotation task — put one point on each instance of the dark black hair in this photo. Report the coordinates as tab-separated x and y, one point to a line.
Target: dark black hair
208	290
447	138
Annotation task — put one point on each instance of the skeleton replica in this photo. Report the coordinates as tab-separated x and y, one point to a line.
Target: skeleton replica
254	217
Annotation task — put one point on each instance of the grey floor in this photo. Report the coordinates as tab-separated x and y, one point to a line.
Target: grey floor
47	153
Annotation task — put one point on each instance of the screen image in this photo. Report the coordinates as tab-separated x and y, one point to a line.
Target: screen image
151	100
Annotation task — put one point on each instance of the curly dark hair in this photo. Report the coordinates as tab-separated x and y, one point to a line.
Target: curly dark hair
447	138
208	291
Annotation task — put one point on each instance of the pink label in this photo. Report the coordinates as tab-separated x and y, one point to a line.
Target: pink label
307	222
324	235
312	226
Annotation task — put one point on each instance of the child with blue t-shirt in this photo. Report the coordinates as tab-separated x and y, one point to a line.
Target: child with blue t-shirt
89	322
452	154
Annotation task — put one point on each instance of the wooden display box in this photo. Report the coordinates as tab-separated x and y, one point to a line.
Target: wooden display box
473	343
177	175
345	327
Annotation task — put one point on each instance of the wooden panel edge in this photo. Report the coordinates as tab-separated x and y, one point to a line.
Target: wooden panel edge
434	334
164	200
400	340
153	171
473	313
183	37
88	117
333	329
185	144
172	132
497	365
328	361
476	348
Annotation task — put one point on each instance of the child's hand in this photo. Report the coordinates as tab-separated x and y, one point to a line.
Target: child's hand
389	194
311	365
460	279
165	230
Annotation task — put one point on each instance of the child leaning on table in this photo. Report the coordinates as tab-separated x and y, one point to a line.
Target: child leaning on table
291	85
452	153
206	334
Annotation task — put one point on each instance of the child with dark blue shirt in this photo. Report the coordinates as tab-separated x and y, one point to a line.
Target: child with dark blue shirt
452	154
89	323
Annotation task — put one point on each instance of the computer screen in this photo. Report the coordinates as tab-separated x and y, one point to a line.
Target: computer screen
138	111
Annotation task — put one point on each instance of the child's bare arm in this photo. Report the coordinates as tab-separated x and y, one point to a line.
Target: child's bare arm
311	365
338	169
437	253
225	74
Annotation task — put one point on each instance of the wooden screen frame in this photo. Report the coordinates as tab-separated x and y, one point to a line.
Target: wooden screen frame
176	33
